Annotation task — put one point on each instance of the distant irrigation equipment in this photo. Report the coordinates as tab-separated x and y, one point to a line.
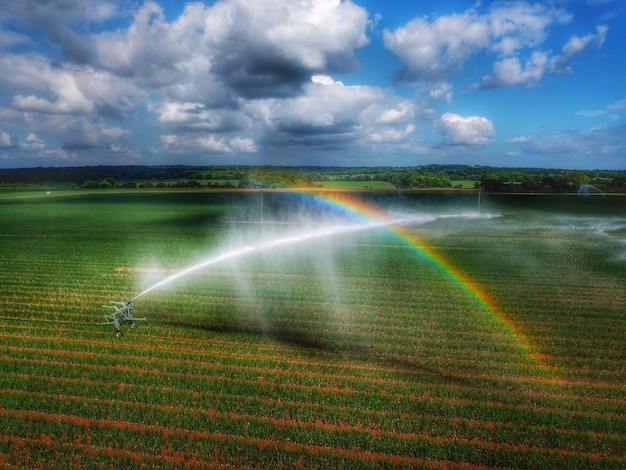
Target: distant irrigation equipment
587	190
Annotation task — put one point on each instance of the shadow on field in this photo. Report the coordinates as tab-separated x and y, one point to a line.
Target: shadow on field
340	350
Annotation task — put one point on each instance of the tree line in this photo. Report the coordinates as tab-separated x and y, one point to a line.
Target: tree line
493	179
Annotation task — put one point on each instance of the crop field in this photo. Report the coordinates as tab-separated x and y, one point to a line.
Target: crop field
468	342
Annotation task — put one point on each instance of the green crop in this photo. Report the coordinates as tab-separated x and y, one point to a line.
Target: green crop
342	352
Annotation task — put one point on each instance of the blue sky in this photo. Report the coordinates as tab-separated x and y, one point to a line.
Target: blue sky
313	82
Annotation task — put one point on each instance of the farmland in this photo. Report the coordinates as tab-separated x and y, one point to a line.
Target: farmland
347	351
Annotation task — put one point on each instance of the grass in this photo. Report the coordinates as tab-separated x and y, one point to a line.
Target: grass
343	352
354	184
464	184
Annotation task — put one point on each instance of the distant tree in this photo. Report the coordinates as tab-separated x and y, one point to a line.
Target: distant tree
492	184
530	183
550	183
577	179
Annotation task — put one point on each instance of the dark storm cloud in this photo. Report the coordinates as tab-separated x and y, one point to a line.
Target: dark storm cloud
256	74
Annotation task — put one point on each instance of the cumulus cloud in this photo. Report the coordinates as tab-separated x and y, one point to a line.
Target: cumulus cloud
325	107
69	98
151	49
391	134
460	130
401	113
42	86
207	143
228	78
271	48
257	49
330	113
509	72
432	50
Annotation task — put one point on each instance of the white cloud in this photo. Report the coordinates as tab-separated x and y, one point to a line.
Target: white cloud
591	113
105	79
441	91
213	144
151	49
246	145
69	99
401	113
257	49
618	105
391	134
519	140
460	130
330	113
434	50
520	25
325	103
33	142
6	140
40	86
561	62
509	72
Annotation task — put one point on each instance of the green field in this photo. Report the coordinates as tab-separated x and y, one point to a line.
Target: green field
464	184
355	185
350	351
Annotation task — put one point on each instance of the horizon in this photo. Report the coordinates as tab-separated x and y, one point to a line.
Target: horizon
310	166
326	83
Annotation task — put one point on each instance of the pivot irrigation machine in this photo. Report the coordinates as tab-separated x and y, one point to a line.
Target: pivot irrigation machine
123	314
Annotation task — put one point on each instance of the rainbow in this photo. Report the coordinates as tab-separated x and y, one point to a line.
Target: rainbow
346	203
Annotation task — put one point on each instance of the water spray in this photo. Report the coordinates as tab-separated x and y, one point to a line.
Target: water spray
268	245
123	310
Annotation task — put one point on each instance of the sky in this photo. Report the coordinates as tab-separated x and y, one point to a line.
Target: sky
313	82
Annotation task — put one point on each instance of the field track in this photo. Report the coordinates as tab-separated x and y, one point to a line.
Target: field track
351	353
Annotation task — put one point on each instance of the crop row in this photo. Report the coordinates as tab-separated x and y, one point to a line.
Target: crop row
408	450
528	413
143	404
202	449
255	366
219	352
174	359
403	398
225	364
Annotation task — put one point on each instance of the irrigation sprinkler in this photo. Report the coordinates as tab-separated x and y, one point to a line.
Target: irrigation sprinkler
123	314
